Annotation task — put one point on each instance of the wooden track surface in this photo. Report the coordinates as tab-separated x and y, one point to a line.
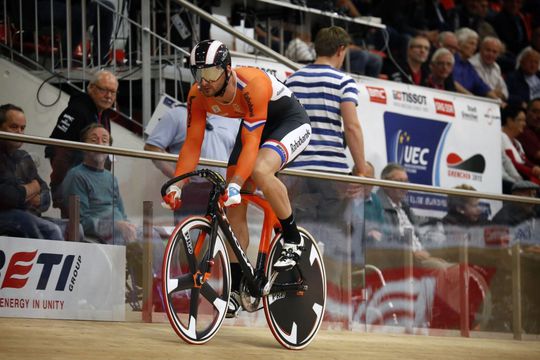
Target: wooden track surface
64	339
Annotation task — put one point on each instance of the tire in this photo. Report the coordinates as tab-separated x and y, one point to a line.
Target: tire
295	318
195	313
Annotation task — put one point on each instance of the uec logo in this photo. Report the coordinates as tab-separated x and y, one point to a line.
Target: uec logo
415	155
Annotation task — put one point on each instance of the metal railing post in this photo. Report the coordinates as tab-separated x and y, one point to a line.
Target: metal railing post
517	319
146	63
148	278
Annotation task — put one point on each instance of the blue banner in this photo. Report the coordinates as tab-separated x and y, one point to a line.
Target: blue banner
415	143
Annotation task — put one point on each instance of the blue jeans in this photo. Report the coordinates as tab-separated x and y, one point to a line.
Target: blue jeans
21	223
365	63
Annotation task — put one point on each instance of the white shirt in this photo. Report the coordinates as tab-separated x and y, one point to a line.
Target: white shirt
491	74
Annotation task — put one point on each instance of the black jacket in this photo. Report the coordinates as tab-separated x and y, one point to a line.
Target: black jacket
80	112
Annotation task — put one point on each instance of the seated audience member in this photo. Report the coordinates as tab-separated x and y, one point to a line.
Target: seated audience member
514	213
400	221
441	65
463	210
524	83
101	207
25	196
448	40
513	123
510	175
485	64
463	218
169	135
300	48
414	68
367	213
464	72
82	110
530	137
469	14
364	62
406	19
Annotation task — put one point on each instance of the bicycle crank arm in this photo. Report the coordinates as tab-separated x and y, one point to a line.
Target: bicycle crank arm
287	287
268	286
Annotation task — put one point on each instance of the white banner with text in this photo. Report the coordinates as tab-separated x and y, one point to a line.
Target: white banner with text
61	280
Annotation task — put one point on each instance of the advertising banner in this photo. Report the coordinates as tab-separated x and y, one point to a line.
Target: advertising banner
61	280
441	138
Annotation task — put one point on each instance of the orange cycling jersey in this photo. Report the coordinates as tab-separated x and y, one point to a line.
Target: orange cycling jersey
255	89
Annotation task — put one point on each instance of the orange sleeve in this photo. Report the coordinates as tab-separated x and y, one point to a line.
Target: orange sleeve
257	95
189	155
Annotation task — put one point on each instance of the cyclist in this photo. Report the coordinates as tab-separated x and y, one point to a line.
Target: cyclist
274	130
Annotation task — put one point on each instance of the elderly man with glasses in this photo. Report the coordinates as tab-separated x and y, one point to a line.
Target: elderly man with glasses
83	109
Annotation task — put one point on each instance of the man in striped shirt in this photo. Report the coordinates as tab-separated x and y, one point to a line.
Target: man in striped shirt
330	98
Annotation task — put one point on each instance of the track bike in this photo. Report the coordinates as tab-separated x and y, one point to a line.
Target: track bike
197	277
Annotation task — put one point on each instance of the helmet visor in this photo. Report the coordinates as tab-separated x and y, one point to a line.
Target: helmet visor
212	73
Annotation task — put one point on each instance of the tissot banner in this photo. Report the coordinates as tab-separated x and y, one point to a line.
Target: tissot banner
441	138
61	280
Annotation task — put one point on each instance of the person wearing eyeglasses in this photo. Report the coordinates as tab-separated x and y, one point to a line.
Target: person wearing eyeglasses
413	68
83	109
441	65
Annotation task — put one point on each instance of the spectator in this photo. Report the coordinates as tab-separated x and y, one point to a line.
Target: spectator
514	213
510	175
400	222
513	123
463	218
414	69
448	40
524	83
441	65
321	154
330	98
169	135
511	27
470	14
463	210
485	64
300	48
82	110
101	207
406	19
25	196
367	211
361	61
464	72
530	137
364	62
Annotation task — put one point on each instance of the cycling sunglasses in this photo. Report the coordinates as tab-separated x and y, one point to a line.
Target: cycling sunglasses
209	74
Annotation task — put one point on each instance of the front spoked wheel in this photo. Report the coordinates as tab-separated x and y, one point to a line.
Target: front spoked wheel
295	307
195	312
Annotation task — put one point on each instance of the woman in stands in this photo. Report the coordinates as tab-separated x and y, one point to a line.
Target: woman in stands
513	123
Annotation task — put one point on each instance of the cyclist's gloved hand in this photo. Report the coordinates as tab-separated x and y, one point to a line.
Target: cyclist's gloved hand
232	195
172	199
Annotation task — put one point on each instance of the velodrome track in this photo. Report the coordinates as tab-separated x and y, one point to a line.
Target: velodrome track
70	339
